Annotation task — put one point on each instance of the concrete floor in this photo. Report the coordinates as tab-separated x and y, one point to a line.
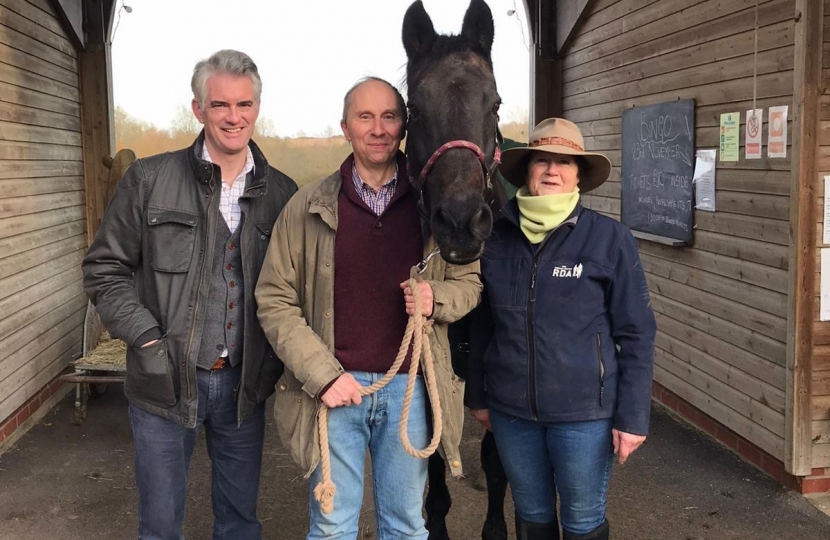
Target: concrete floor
62	482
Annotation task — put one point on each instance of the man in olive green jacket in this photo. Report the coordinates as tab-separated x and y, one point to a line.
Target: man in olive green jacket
330	299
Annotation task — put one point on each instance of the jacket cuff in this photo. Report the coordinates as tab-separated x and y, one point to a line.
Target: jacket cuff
476	402
322	377
147	337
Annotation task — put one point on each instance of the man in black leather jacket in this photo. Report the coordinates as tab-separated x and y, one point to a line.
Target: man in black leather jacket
172	272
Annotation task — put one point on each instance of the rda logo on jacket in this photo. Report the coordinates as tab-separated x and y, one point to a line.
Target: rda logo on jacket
565	271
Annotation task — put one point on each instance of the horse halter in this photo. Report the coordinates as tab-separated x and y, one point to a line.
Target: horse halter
422	178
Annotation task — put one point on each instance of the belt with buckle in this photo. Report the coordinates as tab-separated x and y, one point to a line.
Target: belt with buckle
219	364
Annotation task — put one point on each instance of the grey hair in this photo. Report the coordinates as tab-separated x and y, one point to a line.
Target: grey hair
227	61
347	100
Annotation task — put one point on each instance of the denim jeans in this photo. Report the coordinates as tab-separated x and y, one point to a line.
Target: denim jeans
398	478
162	457
571	458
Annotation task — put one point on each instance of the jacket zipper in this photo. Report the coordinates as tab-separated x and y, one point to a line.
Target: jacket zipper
531	368
531	338
601	369
196	304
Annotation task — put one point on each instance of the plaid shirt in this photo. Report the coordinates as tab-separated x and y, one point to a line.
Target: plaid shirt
376	200
229	199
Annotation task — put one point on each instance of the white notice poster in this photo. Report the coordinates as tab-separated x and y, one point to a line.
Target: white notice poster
824	305
704	179
754	121
777	138
826	235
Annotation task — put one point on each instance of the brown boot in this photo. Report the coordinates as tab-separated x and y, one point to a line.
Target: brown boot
600	533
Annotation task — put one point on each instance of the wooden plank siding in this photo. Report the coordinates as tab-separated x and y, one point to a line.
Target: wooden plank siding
820	401
43	226
721	304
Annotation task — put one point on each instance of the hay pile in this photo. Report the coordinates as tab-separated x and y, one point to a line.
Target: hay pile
108	352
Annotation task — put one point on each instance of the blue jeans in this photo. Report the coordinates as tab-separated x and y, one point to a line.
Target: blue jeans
398	478
573	458
162	457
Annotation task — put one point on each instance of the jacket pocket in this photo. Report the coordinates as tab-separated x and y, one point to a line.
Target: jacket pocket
600	368
296	418
151	374
172	236
262	231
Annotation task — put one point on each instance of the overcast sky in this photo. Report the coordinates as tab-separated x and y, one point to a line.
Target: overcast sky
309	53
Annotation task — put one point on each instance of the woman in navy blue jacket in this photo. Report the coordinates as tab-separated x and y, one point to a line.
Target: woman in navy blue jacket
565	380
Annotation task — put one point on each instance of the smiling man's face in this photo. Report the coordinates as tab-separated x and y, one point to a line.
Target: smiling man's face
373	125
229	113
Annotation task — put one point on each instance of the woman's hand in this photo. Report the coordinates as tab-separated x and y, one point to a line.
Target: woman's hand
483	417
625	444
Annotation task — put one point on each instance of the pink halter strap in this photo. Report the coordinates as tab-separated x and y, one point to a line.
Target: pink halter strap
422	178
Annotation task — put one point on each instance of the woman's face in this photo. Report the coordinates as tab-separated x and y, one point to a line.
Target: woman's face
549	174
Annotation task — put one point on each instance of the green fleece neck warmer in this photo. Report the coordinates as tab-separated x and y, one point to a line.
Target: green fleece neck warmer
540	214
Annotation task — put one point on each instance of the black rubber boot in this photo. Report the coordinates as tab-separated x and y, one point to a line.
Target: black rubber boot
600	533
536	531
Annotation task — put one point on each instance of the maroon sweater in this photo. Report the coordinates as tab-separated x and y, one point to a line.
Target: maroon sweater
372	256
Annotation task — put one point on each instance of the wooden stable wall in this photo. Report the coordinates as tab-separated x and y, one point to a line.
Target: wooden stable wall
42	201
722	304
821	356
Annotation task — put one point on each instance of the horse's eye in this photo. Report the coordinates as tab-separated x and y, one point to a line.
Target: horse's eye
413	112
496	106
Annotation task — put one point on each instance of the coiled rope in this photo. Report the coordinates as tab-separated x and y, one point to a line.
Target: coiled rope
416	328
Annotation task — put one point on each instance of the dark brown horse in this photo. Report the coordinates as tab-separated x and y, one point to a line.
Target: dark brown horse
452	153
453	127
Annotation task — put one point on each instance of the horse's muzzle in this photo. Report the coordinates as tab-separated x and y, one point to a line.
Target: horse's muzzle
461	234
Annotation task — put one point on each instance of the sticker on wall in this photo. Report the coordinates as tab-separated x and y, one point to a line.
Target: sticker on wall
729	136
777	140
754	121
704	179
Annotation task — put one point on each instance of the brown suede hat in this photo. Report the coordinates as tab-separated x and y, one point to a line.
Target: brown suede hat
557	136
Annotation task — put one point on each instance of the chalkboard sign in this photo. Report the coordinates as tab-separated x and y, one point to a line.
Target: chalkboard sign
657	169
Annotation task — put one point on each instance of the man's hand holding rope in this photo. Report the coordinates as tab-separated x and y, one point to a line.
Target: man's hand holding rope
427	299
344	391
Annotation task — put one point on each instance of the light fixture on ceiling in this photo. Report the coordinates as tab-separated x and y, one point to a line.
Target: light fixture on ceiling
123	7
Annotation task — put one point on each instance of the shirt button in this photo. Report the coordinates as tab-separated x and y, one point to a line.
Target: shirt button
230	306
220	347
232	284
229	266
378	225
230	325
230	247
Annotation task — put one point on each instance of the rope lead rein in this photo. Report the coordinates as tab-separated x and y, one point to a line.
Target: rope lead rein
416	328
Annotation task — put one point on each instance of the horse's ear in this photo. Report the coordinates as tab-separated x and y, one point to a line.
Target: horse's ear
417	29
478	26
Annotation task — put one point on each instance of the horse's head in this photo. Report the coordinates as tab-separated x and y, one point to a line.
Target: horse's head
453	127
